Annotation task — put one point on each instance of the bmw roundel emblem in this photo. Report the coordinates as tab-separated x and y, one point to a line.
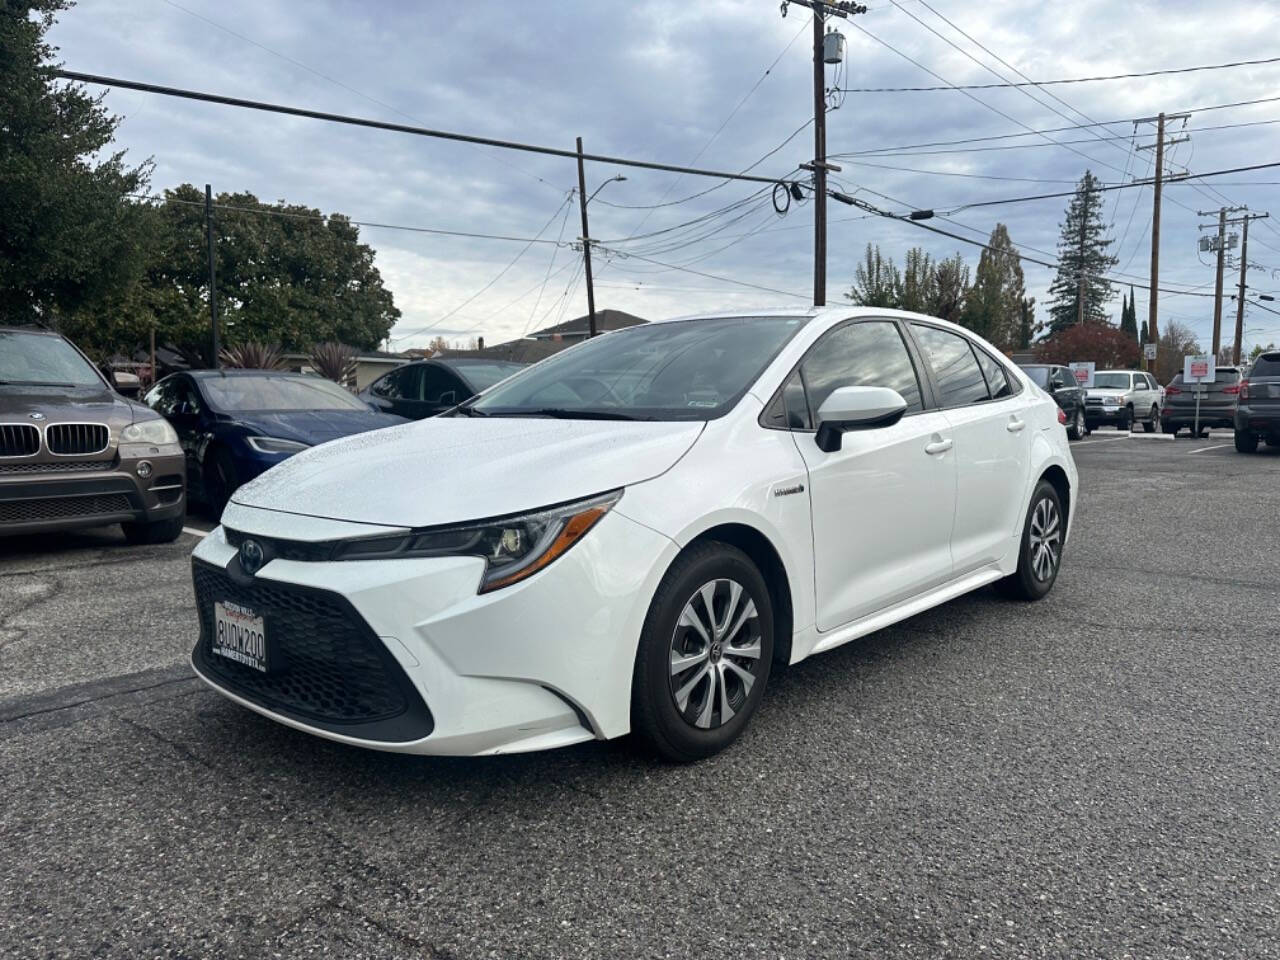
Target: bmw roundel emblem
251	556
37	416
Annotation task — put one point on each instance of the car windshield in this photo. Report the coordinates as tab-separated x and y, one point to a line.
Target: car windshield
482	376
277	393
42	360
1039	374
684	370
1111	381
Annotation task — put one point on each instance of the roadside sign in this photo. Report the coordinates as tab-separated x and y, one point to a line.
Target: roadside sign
1200	369
1149	351
1084	373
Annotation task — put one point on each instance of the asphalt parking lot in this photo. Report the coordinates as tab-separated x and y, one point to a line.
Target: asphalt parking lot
1091	776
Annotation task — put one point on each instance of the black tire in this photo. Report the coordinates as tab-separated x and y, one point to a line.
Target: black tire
1076	428
153	531
1026	583
1151	423
1246	442
220	481
667	728
1126	423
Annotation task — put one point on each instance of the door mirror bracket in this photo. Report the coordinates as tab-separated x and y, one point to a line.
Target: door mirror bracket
856	408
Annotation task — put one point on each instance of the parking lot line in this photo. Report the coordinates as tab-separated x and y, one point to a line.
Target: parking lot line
1085	443
196	533
1216	446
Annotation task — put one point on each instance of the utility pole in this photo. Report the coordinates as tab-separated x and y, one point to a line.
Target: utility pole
586	244
213	273
153	354
1153	333
1222	253
1244	266
821	10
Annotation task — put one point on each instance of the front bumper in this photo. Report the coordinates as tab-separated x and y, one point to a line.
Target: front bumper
1096	416
544	663
42	497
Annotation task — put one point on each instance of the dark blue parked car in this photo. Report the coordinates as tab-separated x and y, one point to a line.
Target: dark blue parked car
234	424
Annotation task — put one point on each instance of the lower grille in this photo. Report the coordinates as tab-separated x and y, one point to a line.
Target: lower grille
58	466
19	440
76	439
328	668
63	508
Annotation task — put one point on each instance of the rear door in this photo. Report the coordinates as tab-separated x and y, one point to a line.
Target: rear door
992	429
883	504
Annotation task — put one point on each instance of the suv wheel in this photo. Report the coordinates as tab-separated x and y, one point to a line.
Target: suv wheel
1246	442
1153	421
153	531
1075	429
1040	554
1126	420
704	655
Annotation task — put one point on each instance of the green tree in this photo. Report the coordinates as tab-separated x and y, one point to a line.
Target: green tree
1129	316
993	308
286	274
67	234
1083	261
1258	350
950	288
1028	329
919	283
876	281
1144	335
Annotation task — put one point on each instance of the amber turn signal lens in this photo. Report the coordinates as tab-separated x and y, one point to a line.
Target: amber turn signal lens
573	531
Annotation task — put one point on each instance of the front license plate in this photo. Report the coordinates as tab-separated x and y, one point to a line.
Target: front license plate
239	635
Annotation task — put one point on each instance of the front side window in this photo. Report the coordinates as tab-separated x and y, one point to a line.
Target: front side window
683	370
37	359
863	354
163	397
441	386
955	369
402	384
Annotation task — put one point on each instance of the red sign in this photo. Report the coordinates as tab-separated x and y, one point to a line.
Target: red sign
1199	369
1082	376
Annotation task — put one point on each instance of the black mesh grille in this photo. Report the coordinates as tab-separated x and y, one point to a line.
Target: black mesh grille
57	466
63	508
18	440
327	668
285	549
70	439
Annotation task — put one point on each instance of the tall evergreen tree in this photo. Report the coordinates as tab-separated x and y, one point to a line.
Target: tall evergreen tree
1129	316
1084	258
1027	326
1143	335
994	306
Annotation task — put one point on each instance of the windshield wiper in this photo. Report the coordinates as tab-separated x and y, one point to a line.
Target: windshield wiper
563	413
463	411
35	383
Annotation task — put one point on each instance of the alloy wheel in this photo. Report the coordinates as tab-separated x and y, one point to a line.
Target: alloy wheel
715	654
1045	542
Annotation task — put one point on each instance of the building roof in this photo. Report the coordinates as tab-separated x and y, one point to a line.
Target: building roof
514	351
581	326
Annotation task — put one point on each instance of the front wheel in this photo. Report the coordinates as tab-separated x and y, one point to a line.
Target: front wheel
153	531
1246	442
1126	420
704	655
1040	553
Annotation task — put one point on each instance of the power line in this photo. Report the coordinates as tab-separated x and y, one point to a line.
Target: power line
1046	83
709	276
397	127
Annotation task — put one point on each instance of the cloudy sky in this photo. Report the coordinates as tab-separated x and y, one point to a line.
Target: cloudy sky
691	82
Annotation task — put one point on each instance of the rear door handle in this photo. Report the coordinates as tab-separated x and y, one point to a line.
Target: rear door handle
1014	425
937	446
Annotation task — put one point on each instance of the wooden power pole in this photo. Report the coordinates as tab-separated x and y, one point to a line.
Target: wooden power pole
213	273
1244	266
1221	244
586	245
1153	331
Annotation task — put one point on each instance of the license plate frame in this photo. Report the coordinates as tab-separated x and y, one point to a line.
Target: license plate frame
240	635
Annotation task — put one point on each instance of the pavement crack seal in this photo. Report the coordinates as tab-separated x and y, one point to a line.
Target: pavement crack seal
27	595
89	695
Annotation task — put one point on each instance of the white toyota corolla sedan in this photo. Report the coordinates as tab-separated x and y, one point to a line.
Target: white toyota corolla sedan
629	536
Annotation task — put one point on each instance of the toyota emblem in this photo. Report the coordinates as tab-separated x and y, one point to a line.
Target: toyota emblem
251	556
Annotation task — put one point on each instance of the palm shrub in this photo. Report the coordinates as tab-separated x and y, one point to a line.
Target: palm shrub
253	355
334	361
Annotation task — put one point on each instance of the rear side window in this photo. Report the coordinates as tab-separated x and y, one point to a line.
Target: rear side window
997	380
955	368
1267	365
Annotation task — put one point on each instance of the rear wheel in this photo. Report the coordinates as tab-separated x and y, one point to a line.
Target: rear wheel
1075	429
704	655
1040	554
1246	442
1153	421
153	531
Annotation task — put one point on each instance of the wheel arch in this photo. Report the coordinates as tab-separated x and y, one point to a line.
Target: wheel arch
1061	483
760	549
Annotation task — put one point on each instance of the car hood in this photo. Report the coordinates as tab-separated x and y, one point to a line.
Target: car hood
1106	392
453	469
316	426
95	404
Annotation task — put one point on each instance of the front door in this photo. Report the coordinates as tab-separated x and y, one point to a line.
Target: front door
882	505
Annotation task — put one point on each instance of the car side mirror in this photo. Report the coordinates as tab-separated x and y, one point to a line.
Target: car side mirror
856	408
1057	385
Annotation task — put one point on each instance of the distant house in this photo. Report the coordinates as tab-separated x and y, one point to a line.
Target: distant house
543	343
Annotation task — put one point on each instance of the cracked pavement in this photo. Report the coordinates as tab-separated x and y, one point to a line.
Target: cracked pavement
1093	776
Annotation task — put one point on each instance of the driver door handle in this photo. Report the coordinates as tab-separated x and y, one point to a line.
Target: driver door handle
1014	425
937	446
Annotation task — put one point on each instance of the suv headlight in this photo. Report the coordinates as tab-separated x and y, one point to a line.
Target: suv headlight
513	547
275	445
155	431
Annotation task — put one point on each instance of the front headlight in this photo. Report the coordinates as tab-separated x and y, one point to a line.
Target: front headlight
155	431
513	547
275	445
